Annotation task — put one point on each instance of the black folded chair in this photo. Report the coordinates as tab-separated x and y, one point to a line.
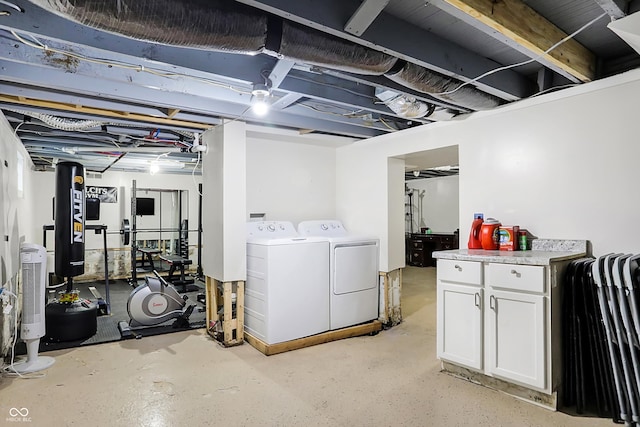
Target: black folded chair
603	386
608	309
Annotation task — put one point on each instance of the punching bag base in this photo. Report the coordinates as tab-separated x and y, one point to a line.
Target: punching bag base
71	321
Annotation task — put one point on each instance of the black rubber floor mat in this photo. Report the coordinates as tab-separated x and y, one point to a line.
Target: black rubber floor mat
107	331
107	328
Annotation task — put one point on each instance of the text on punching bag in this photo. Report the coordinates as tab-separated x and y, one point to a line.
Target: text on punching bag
78	212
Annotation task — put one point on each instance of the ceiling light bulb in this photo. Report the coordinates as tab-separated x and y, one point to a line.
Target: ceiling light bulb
416	173
260	101
260	108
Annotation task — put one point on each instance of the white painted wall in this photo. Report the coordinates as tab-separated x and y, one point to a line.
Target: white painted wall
563	165
16	210
370	189
394	200
111	215
290	181
435	204
367	185
225	202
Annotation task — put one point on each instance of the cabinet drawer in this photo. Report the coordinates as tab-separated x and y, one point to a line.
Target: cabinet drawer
460	271
417	258
416	244
517	277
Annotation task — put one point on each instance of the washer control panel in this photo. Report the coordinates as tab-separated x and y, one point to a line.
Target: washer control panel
326	228
271	229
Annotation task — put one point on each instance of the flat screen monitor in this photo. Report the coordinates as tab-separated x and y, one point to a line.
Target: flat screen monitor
93	209
145	206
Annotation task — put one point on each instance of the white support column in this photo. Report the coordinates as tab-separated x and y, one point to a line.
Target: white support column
224	185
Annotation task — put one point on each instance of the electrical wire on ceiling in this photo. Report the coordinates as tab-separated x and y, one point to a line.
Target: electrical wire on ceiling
410	75
73	125
44	159
350	113
554	88
540	56
235	118
12	6
386	124
353	114
141	68
135	67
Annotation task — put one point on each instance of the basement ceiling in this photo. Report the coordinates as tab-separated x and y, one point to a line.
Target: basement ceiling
121	84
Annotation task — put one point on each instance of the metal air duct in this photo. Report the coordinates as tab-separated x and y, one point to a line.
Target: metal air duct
231	27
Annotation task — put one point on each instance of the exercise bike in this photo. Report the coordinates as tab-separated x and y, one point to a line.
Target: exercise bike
152	303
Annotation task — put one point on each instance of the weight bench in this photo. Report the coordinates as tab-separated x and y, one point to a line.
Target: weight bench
147	254
177	262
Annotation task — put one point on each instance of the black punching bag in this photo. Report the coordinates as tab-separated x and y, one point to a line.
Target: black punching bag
69	227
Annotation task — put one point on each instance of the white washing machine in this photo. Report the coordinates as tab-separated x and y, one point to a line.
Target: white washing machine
286	293
353	272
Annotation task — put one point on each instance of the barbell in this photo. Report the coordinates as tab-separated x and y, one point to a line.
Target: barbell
125	231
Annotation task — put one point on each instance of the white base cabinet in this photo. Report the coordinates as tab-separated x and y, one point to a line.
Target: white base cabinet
460	314
497	318
516	338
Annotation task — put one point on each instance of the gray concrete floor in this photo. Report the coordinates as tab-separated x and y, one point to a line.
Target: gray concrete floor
392	379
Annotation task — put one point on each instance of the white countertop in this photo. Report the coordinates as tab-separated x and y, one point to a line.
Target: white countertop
536	257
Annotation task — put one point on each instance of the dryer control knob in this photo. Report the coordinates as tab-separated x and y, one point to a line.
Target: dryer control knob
324	227
260	228
271	227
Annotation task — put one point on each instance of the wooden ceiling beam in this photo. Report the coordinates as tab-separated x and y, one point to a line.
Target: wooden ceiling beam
19	100
523	25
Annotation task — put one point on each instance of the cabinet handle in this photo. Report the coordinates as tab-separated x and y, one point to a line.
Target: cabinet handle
477	295
492	302
515	272
457	267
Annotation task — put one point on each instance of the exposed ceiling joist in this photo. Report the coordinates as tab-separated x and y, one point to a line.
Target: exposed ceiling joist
101	112
400	39
387	84
42	23
615	8
364	16
23	65
519	23
349	95
285	101
129	85
171	112
280	71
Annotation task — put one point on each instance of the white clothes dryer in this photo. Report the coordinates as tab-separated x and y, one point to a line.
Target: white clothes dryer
286	294
353	272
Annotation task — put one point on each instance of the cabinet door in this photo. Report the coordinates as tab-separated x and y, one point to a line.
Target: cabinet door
516	337
459	328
